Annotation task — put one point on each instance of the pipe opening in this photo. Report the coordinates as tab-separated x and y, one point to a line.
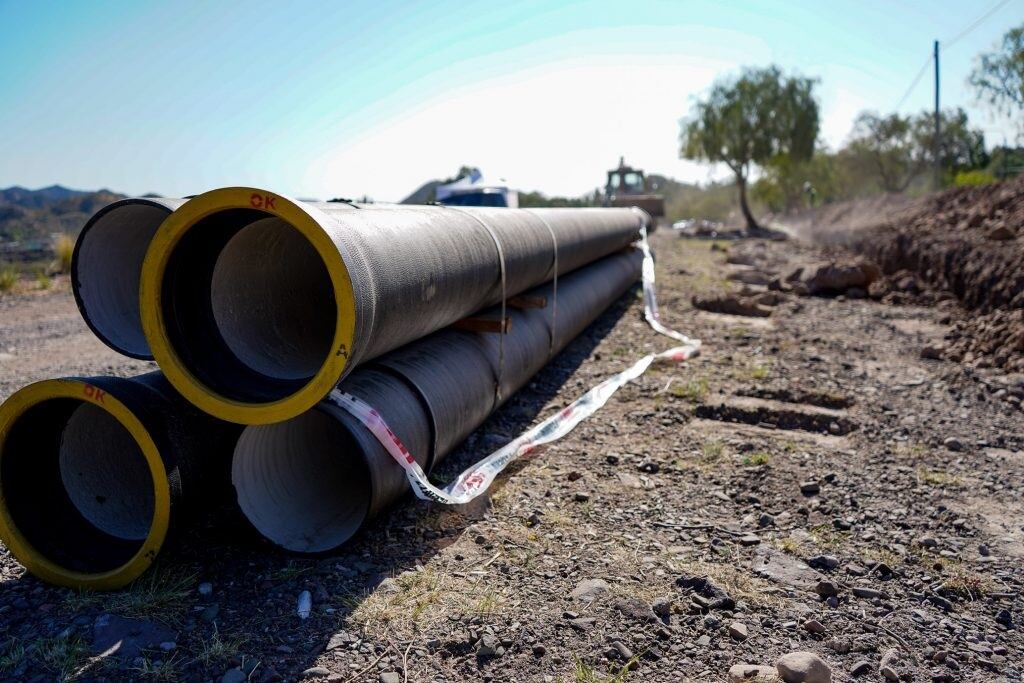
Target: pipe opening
105	474
249	305
108	263
77	485
302	483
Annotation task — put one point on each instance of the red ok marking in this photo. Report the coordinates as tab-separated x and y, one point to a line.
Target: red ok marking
94	393
261	201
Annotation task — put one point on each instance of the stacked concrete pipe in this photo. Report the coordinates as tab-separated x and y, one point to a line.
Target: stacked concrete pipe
106	266
310	483
256	305
97	473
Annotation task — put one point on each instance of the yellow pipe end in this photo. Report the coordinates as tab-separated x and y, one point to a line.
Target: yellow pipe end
215	401
41	564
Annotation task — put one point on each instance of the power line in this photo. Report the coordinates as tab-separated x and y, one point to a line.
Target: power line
977	22
913	84
947	44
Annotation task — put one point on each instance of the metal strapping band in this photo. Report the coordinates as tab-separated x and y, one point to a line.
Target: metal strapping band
504	297
554	284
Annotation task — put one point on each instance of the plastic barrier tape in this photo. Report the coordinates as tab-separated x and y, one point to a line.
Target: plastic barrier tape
475	480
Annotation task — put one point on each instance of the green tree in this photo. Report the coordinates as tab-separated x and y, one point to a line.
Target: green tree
961	147
998	77
887	144
751	120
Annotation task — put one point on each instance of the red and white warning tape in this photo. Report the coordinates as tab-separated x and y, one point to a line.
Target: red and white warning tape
475	480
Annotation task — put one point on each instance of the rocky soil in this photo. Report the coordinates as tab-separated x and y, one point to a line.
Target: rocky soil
808	498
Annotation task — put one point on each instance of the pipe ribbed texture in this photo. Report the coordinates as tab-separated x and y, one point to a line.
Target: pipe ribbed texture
310	483
256	305
95	473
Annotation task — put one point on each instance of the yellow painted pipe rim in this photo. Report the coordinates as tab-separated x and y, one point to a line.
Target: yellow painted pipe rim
306	220
22	549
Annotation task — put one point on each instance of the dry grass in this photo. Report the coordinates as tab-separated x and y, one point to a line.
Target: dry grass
757	459
694	391
64	250
735	580
938	478
8	278
160	594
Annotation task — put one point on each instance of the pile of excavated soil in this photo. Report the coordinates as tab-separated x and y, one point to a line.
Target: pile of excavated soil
966	241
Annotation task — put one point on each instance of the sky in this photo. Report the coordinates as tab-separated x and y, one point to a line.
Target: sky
353	98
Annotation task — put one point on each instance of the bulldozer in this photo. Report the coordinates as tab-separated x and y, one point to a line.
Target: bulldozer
627	186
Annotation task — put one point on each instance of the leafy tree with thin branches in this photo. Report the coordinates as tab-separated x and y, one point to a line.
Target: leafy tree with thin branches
998	77
751	120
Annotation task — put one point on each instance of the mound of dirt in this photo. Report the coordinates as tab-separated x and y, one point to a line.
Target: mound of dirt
966	241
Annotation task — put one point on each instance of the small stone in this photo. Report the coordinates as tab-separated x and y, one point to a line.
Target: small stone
750	540
765	521
539	650
205	589
814	626
889	663
751	673
488	646
1001	233
810	488
316	672
803	667
649	467
340	639
826	589
168	645
622	651
823	562
590	590
861	668
983	550
390	677
1004	617
867	593
953	444
574	475
662	606
581	497
738	631
234	675
704	640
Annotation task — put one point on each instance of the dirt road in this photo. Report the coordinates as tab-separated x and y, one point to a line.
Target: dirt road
809	483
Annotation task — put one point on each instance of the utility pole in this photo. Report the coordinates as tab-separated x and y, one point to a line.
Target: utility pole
937	145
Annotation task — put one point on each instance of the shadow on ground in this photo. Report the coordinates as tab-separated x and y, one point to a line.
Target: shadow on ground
249	621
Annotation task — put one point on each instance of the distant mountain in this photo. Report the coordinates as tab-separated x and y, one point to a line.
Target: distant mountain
30	217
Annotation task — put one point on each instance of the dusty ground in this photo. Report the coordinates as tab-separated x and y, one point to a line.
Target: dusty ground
814	434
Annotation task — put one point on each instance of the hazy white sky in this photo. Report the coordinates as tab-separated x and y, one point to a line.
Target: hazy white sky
346	99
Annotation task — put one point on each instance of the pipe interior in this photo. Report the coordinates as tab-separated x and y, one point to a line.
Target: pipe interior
88	523
269	292
302	483
249	305
107	267
105	474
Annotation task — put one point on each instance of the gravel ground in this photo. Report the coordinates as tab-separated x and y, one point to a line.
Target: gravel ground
808	483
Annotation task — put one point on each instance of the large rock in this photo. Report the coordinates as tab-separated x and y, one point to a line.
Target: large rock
730	304
127	638
590	590
751	673
777	566
834	278
803	667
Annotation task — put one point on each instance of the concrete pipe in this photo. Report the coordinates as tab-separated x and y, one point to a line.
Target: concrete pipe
95	473
256	305
106	267
308	484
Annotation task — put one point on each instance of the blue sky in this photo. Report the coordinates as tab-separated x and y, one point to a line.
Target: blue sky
324	99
